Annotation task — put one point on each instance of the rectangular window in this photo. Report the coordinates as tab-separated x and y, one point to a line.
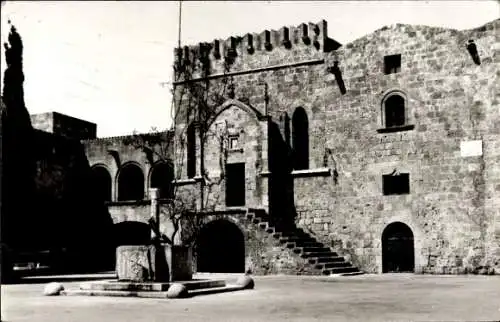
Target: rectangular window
398	184
233	142
235	184
392	64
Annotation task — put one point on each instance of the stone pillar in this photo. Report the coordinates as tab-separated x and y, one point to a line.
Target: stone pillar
264	157
198	144
155	209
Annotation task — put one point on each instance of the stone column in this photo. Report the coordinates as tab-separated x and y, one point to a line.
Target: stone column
264	157
199	156
155	209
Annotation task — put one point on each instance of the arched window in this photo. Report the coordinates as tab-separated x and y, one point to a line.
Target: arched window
300	137
191	151
394	111
161	178
101	182
130	183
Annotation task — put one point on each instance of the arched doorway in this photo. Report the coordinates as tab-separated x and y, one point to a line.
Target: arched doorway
130	183
102	183
221	248
398	254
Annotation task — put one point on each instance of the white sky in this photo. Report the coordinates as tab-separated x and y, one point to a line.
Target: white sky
104	61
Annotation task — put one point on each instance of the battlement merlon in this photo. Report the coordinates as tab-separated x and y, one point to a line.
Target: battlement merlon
291	43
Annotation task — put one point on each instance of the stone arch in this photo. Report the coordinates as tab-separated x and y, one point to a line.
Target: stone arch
398	248
220	248
160	177
130	182
300	139
102	182
394	108
232	102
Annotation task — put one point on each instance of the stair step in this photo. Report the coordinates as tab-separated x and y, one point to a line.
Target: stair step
309	244
315	249
311	254
287	233
331	265
340	270
326	259
296	239
263	225
336	264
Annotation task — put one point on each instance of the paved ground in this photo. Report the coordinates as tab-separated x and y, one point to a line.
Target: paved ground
387	297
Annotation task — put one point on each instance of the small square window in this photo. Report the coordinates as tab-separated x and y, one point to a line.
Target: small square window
392	64
396	184
233	143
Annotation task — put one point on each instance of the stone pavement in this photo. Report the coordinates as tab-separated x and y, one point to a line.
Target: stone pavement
388	297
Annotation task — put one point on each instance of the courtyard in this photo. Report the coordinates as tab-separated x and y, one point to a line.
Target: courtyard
386	297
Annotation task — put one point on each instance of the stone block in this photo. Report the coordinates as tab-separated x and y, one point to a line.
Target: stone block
160	263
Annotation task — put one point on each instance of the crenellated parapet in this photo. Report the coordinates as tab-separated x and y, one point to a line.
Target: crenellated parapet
289	44
125	139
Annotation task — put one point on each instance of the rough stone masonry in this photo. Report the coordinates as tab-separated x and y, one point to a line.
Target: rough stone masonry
399	126
386	149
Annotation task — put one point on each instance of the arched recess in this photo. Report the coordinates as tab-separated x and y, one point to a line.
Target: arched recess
191	151
161	177
130	182
394	109
398	251
300	139
232	102
220	248
101	182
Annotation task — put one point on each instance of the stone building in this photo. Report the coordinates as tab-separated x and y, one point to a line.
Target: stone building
383	152
381	155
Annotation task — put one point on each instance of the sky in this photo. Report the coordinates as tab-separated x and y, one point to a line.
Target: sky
110	62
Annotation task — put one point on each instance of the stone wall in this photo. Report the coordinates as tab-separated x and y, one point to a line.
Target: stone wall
452	207
64	125
114	153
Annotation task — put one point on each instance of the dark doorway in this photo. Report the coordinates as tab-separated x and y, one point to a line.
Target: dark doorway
221	248
235	184
398	254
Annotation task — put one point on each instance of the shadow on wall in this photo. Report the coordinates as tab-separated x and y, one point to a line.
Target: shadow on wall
72	220
281	192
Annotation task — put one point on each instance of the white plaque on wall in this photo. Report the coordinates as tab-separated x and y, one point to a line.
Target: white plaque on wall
471	148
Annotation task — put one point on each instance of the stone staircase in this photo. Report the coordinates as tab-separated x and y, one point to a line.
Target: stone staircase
317	258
